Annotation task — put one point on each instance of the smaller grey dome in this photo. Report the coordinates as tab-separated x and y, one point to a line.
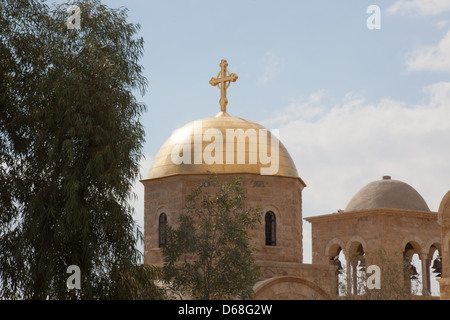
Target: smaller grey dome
387	194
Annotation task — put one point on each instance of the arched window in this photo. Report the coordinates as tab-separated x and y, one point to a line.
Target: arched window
271	226
342	283
412	270
434	272
162	229
357	269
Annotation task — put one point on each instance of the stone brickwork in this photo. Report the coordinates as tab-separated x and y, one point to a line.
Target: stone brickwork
376	230
390	229
444	221
280	195
292	280
397	232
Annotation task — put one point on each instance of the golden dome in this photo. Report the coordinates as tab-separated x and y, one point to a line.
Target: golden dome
196	148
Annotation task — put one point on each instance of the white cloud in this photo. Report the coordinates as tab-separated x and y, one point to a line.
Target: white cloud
357	141
431	58
419	7
310	108
272	66
442	24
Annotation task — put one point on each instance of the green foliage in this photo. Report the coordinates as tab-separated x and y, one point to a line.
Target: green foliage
70	142
208	256
140	283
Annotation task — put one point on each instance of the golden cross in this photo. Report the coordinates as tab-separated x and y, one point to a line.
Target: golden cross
223	80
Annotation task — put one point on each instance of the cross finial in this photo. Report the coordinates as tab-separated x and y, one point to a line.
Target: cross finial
223	80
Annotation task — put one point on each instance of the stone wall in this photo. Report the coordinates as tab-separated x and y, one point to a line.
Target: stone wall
388	229
383	234
444	221
281	195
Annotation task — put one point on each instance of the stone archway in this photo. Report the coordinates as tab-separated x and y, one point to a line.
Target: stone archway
288	288
336	254
356	249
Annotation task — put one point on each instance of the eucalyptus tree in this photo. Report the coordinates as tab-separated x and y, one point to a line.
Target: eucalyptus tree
209	255
70	143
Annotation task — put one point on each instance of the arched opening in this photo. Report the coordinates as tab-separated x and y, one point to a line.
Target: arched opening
412	267
288	288
434	270
271	229
162	230
357	269
338	259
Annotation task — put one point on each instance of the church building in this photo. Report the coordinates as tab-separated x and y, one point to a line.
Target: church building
386	216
